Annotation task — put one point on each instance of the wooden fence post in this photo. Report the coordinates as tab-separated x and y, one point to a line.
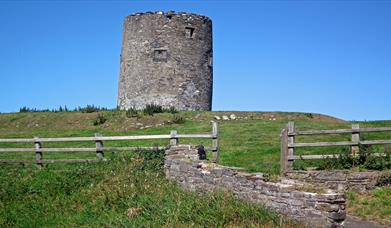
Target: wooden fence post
173	138
284	151
38	151
355	138
99	147
215	142
291	140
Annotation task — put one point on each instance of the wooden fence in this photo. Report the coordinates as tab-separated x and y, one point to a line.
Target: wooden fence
288	143
99	148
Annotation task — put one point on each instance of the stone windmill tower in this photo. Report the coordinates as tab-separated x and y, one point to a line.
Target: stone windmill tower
166	59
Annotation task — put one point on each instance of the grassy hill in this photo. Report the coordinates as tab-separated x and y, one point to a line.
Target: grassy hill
251	142
132	191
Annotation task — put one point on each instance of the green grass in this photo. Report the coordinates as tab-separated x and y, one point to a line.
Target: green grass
134	193
374	205
252	144
130	192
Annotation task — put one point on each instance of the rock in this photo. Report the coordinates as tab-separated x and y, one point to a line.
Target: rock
232	117
217	118
338	216
225	118
327	207
331	176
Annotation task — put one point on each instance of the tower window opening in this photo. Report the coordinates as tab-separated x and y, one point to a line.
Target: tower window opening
189	32
160	55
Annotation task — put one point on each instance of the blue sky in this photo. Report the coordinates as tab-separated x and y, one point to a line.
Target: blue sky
329	57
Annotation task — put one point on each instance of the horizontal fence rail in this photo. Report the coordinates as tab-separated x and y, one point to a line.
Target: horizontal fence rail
340	131
99	148
288	144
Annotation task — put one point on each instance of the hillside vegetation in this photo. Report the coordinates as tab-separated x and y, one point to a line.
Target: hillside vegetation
251	142
132	191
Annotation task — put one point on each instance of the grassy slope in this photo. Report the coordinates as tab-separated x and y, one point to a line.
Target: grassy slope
252	144
128	192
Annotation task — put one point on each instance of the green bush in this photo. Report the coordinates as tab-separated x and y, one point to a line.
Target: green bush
132	112
309	115
171	110
86	109
24	109
100	119
90	109
365	160
343	161
151	109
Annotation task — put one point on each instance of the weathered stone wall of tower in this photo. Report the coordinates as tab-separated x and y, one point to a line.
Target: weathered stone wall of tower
166	59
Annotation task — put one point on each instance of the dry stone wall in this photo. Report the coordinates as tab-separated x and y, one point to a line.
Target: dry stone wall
339	180
315	209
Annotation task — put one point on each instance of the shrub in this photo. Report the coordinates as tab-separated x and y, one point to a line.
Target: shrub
171	110
87	109
151	109
309	115
132	112
341	161
90	109
100	119
378	163
365	160
24	109
177	119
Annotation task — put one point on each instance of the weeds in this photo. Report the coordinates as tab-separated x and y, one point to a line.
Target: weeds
100	119
90	109
309	115
151	109
132	113
172	110
344	160
177	119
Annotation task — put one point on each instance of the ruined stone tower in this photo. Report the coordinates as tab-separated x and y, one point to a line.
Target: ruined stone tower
166	59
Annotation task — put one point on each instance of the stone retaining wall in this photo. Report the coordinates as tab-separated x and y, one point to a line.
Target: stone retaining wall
315	209
339	180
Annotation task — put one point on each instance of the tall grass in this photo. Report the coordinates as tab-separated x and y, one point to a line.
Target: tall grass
128	191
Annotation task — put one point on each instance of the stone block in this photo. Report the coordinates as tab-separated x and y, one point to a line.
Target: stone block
331	176
363	176
327	207
337	216
217	172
